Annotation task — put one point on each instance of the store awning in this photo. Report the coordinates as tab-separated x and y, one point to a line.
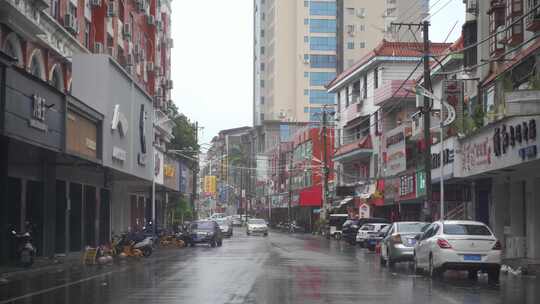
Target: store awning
345	201
368	191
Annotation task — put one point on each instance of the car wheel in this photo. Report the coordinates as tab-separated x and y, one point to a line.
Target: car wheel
493	276
147	251
247	232
433	272
219	243
416	269
266	234
473	275
382	260
212	243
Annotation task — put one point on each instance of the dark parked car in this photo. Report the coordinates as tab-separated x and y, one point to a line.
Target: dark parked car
205	232
351	226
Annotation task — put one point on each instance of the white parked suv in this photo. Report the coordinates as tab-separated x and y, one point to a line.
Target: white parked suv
458	245
368	230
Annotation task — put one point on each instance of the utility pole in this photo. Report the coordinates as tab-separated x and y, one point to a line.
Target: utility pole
290	188
195	169
427	122
426	112
325	163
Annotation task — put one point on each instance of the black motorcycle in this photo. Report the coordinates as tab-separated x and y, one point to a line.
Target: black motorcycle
25	250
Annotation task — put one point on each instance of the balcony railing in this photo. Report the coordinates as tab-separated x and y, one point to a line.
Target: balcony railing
522	102
533	19
356	148
390	90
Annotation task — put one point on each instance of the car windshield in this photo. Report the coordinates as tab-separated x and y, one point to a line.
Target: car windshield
385	229
465	229
257	222
202	226
222	221
350	222
367	228
412	227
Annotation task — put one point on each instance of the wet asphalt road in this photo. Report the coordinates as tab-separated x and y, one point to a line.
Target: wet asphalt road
280	268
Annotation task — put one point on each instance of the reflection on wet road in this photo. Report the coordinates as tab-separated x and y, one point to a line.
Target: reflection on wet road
280	268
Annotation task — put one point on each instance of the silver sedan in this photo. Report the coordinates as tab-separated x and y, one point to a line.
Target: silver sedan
398	244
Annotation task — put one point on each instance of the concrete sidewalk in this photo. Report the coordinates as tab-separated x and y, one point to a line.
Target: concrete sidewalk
41	264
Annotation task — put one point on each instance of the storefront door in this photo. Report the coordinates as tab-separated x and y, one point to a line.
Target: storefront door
34	212
75	216
61	207
89	216
104	217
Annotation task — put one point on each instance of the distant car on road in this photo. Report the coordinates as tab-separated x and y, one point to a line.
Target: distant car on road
367	230
335	224
256	226
351	226
226	227
216	216
398	244
458	245
373	240
236	220
204	232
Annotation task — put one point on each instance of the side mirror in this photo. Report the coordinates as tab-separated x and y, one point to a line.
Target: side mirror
418	236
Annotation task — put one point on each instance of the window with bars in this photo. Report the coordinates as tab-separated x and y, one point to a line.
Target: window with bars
496	25
514	10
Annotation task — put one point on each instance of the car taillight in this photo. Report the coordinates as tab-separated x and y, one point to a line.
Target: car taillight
443	244
396	239
497	246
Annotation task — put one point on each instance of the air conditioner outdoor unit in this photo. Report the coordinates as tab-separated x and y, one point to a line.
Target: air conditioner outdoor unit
95	3
360	13
98	47
111	9
110	51
70	23
129	60
136	49
170	43
159	24
150	20
126	30
150	66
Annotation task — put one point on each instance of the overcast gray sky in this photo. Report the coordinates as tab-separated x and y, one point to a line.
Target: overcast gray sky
212	58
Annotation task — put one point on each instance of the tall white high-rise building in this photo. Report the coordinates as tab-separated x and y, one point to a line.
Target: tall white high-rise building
299	46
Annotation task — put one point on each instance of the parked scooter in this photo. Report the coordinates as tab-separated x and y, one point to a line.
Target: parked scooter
25	250
132	245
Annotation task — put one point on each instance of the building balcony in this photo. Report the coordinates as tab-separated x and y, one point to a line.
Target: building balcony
533	19
522	102
354	110
23	16
390	90
356	149
417	126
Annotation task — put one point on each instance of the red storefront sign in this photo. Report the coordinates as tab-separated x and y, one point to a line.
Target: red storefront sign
311	197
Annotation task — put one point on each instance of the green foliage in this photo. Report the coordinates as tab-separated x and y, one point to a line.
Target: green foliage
478	116
185	136
182	210
534	82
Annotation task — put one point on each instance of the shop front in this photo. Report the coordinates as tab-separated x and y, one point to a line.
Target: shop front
501	165
33	130
127	136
